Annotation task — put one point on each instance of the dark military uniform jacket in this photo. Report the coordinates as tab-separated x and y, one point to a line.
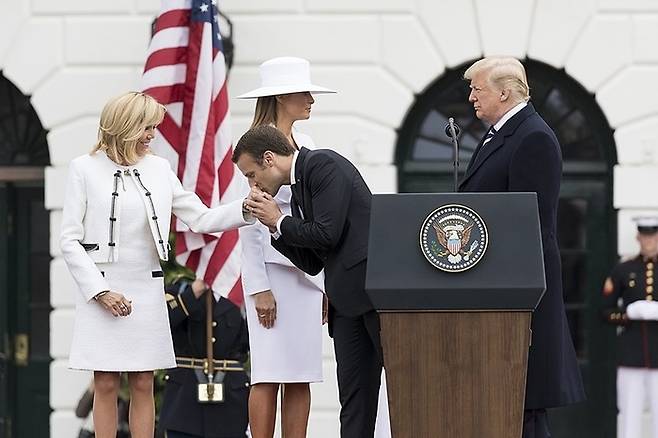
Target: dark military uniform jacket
180	409
631	281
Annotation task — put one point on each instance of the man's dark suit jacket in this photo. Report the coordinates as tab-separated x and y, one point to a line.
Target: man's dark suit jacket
524	156
335	202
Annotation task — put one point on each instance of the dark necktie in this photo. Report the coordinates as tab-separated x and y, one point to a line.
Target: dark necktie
490	134
487	138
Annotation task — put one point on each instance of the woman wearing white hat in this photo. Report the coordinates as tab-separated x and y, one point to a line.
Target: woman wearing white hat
285	306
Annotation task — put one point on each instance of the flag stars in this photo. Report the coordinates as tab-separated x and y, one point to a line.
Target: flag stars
204	7
214	2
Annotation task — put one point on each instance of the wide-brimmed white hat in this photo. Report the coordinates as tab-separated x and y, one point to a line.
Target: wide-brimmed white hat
284	75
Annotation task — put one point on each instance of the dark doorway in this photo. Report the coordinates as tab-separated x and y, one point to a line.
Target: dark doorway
24	269
586	219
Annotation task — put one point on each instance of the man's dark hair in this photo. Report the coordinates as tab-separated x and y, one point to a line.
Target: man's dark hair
260	139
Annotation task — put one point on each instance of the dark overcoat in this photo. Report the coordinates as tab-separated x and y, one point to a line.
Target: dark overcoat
524	156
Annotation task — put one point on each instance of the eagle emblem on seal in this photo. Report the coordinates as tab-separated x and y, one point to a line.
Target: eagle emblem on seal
453	238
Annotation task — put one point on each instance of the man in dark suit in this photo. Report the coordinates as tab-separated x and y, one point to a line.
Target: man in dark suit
328	230
520	153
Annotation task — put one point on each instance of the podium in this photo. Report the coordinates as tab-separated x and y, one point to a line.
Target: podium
455	343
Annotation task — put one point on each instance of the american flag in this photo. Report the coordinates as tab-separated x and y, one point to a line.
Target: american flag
185	71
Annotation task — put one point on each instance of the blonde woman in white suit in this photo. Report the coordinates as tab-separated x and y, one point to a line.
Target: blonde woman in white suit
115	224
284	305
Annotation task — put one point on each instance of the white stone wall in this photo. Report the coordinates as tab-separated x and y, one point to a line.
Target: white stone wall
72	55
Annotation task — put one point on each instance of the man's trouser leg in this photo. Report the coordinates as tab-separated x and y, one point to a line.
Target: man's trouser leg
359	366
630	400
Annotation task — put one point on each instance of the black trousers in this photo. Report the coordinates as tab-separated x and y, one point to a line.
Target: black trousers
535	424
359	366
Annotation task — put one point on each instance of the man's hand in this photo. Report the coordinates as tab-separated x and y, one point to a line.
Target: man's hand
265	308
264	208
198	288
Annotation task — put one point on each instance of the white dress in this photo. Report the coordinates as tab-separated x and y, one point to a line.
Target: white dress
290	351
140	341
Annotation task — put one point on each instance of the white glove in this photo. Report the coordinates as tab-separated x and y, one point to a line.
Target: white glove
651	310
643	310
634	310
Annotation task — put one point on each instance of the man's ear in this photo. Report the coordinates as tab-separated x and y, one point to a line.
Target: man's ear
268	158
504	94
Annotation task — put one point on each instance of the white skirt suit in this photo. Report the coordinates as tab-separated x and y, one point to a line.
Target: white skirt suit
290	351
115	226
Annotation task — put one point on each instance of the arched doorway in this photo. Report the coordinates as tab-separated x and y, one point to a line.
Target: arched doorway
24	269
586	219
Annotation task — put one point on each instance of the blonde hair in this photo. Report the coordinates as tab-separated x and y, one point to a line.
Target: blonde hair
265	113
504	72
123	121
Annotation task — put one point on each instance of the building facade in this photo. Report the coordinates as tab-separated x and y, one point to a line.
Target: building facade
396	64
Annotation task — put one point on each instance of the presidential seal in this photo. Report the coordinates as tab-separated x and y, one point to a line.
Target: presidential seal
453	238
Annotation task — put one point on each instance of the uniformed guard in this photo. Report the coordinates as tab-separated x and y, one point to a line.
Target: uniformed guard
630	303
207	395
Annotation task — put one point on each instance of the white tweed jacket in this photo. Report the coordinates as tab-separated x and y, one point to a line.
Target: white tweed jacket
91	218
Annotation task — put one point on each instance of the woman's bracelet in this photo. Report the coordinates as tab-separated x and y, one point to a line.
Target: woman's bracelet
100	294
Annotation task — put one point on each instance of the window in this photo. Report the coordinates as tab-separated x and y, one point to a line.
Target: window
22	138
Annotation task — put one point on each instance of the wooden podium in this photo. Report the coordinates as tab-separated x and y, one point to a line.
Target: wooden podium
455	343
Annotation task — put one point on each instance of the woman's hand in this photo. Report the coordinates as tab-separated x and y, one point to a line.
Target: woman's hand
265	308
264	208
116	303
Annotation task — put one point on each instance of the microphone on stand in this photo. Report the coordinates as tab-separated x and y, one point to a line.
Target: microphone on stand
452	130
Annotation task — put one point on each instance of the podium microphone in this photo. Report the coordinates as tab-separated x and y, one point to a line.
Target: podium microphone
452	130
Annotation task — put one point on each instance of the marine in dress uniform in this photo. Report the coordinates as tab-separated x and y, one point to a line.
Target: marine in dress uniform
630	303
182	414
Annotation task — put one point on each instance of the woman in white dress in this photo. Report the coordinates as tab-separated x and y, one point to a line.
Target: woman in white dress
115	225
284	305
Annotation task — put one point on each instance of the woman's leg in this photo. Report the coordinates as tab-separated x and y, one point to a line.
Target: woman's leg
295	408
142	407
262	409
106	391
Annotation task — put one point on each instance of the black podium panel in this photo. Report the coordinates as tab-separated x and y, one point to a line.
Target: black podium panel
510	274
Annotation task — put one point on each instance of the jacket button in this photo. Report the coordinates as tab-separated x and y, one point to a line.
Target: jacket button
213	340
214	323
166	377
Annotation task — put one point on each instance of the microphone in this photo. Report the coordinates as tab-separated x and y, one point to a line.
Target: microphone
452	129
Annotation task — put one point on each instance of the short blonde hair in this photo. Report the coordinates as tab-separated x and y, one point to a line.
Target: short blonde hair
504	72
265	113
123	121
